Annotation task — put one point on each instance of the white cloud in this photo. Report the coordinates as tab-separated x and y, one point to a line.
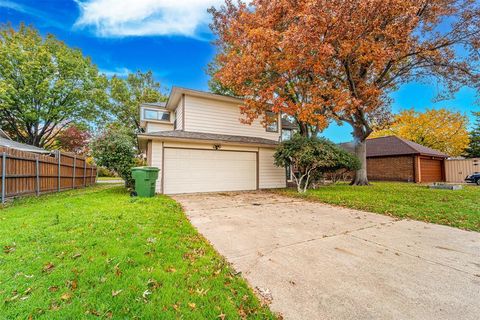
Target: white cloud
119	72
119	18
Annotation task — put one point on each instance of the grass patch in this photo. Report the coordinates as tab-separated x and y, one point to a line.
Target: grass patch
405	200
108	178
96	252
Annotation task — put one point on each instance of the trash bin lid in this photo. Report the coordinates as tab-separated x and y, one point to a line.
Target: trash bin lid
145	169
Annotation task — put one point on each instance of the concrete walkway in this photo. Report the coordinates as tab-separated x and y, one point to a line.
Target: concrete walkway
316	261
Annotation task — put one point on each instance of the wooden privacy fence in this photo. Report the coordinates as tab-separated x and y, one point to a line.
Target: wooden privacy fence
25	173
457	169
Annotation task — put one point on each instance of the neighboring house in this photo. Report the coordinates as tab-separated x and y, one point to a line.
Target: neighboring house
199	143
6	141
395	159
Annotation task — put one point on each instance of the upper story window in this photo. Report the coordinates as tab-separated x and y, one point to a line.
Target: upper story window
150	114
272	121
287	134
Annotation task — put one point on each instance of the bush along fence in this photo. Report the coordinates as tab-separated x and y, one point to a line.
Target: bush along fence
25	173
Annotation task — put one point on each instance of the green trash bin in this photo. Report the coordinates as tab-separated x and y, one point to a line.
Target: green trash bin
145	179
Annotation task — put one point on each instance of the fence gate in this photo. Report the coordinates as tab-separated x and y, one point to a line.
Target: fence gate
457	169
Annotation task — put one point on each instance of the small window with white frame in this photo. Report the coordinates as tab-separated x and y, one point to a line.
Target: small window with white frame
272	121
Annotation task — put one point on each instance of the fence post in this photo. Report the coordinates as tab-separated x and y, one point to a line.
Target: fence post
37	174
74	169
85	172
91	175
59	154
4	175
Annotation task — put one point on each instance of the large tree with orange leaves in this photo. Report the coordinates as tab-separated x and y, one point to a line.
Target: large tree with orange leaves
319	60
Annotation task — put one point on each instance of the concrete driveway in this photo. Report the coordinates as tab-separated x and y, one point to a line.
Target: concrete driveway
315	261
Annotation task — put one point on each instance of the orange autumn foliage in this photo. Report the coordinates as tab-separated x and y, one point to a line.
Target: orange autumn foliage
323	60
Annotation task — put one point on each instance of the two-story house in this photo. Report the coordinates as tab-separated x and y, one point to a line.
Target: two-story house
199	143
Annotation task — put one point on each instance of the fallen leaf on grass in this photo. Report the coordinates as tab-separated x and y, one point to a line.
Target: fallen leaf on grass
23	274
202	291
93	312
116	292
265	295
54	306
146	293
171	270
53	289
76	255
66	296
72	284
48	267
153	284
192	305
222	316
13	298
151	240
118	272
9	249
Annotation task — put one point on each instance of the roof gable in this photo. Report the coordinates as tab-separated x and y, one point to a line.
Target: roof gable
393	145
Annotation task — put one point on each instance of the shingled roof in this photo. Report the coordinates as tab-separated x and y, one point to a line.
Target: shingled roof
394	146
20	146
179	134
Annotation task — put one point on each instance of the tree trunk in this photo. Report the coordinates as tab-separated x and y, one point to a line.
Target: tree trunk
361	178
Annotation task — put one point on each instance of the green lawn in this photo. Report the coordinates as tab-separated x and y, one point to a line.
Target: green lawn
97	252
459	209
108	178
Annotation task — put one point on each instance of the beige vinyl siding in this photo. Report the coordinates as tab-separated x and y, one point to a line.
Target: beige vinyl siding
212	116
158	126
270	176
156	161
179	113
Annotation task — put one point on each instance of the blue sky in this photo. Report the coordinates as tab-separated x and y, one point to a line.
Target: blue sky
171	38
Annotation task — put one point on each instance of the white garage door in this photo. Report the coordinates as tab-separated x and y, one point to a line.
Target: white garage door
189	170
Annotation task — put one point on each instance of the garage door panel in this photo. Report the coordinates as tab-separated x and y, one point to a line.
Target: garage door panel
431	170
188	170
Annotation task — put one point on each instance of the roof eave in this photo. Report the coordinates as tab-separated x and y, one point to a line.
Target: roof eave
143	137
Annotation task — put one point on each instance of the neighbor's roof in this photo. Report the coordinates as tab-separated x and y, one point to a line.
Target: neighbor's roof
394	146
20	146
4	135
187	135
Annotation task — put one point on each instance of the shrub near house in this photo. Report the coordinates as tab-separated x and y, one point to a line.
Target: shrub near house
312	157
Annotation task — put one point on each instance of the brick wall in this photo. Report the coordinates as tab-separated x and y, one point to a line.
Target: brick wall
391	168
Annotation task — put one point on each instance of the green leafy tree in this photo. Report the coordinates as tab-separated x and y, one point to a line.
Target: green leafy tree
115	149
311	157
45	86
127	95
473	149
